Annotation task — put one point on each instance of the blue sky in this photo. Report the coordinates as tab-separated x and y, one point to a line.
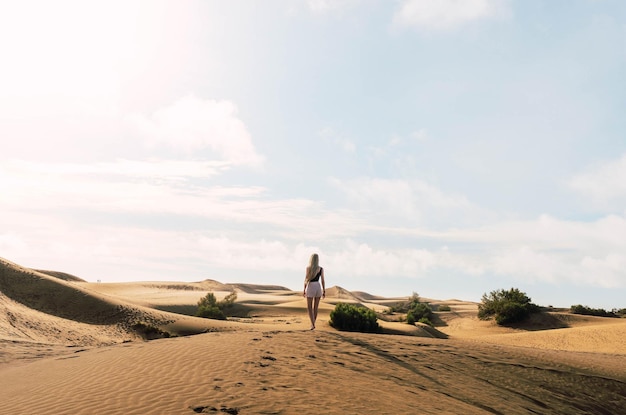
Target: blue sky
448	147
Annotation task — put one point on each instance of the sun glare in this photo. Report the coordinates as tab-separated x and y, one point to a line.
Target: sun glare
76	53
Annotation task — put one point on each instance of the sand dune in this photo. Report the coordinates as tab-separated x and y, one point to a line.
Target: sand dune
42	308
298	372
73	347
62	275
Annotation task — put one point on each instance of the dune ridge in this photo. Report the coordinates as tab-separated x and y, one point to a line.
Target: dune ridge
43	308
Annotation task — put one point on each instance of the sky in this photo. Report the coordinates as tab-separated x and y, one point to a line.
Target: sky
444	147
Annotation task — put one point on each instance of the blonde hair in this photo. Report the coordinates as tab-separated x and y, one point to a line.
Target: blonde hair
313	268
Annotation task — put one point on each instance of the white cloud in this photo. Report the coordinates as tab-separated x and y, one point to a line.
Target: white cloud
581	267
380	195
606	270
406	201
517	262
362	260
330	6
528	264
253	255
542	250
162	169
604	183
192	125
122	186
163	188
125	252
552	250
136	190
555	237
440	15
355	243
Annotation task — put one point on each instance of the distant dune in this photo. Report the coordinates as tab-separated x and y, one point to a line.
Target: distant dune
73	347
370	297
339	293
62	275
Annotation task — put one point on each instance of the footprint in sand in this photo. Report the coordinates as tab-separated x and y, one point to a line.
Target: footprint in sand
210	409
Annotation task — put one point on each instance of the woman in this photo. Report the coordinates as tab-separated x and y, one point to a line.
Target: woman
313	290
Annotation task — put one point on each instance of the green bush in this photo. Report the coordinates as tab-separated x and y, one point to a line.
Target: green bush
415	310
350	317
444	308
600	312
511	313
228	301
425	320
419	312
507	307
405	306
209	307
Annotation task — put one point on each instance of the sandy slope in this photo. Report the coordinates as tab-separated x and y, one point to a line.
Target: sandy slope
69	347
295	372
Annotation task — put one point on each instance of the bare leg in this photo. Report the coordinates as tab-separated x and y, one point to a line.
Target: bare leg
309	305
315	308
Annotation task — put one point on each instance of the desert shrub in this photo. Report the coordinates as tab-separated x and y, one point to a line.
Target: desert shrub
444	308
507	306
511	313
228	301
398	308
415	310
209	307
419	312
405	306
350	317
600	312
621	312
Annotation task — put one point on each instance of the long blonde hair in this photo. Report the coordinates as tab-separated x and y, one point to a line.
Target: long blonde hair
313	268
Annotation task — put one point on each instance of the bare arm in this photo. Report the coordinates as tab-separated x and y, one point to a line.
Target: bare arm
306	272
323	285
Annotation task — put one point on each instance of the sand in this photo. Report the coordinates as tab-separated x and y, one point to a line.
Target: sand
72	347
